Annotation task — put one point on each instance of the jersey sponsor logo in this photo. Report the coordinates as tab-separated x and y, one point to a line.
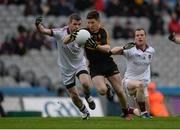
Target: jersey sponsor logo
141	63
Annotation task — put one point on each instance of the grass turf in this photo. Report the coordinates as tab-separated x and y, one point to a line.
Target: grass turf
93	123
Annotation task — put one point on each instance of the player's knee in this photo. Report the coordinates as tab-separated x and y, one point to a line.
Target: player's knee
85	84
140	86
102	91
119	90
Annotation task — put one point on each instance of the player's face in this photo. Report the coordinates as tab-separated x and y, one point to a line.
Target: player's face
74	25
140	37
93	25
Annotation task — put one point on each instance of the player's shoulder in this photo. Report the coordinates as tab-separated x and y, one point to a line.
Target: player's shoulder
102	29
61	28
131	50
64	29
151	49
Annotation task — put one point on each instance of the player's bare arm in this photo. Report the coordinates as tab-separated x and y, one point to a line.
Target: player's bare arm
103	48
41	28
119	50
116	51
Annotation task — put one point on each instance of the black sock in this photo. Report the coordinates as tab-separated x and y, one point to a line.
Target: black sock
87	95
125	111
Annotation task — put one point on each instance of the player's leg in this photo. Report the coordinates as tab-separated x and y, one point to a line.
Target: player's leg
86	83
116	83
112	74
69	82
99	82
110	93
130	94
102	87
147	101
73	93
146	96
136	87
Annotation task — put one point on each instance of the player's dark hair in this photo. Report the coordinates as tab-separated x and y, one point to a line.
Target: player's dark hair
93	15
74	16
139	29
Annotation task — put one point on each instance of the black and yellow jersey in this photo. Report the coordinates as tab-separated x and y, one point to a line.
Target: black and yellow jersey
97	57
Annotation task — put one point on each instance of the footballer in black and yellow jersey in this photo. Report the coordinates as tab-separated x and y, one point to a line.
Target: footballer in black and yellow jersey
100	63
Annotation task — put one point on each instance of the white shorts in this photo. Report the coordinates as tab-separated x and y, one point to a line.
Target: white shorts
71	77
125	85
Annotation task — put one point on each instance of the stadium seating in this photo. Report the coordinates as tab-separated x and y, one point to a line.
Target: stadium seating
44	62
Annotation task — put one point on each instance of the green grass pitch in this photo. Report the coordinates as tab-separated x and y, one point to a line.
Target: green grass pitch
92	123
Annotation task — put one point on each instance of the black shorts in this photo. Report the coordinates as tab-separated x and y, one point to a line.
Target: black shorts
106	70
77	75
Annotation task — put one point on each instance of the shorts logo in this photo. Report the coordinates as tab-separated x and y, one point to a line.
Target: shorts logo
115	71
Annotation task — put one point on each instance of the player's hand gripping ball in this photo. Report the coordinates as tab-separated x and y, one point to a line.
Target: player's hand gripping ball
81	37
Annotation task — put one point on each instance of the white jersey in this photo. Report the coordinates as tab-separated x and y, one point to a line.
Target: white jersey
138	63
70	56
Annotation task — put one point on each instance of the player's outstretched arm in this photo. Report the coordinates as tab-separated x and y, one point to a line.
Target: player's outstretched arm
119	50
116	51
172	37
104	48
41	28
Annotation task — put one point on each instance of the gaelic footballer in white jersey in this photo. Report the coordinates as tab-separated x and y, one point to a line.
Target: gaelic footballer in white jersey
138	65
71	61
70	56
137	75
